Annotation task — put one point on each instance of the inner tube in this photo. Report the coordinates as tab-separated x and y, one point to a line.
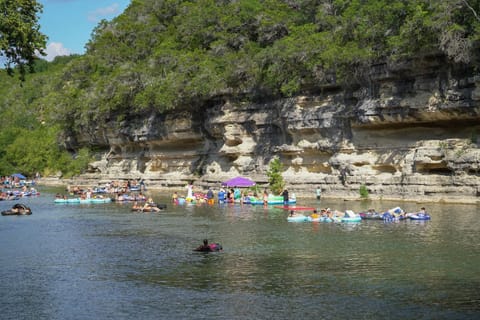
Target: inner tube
162	206
18	209
212	247
215	247
153	208
297	218
420	216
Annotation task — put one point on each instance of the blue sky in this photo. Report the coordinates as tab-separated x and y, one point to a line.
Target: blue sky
69	23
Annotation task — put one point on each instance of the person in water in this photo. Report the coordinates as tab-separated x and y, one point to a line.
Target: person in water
206	247
175	197
210	196
136	207
265	198
315	215
189	188
150	206
422	212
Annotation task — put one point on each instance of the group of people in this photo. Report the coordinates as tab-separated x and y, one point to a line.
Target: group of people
148	206
13	194
84	195
191	196
120	197
208	197
17	209
8	195
223	195
396	213
326	213
112	187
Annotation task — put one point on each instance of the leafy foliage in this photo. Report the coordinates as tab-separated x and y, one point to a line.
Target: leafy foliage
363	192
178	54
20	36
163	55
28	135
274	174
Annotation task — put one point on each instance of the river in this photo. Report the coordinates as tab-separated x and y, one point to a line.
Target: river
102	261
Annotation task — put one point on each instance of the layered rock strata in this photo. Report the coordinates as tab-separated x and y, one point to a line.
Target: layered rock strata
410	132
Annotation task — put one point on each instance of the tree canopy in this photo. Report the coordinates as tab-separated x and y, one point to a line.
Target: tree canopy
175	54
164	55
20	37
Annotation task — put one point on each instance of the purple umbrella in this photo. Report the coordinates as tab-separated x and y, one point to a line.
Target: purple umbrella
238	182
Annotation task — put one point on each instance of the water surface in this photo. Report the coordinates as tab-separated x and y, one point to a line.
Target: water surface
102	261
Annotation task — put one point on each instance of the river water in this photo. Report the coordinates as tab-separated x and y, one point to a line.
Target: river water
102	261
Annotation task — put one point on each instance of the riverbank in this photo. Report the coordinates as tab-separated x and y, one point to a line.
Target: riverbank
301	191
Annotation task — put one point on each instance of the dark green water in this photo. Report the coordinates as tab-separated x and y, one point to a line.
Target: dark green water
105	262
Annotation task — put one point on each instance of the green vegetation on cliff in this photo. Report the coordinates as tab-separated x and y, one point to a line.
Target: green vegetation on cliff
172	54
274	174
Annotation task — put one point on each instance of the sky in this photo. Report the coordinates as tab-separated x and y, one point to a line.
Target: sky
68	24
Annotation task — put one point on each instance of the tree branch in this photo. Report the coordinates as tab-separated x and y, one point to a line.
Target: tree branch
471	9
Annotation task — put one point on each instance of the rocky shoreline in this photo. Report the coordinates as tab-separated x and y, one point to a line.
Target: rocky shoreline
410	133
302	192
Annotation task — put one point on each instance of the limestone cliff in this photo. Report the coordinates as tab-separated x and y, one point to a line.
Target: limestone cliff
409	132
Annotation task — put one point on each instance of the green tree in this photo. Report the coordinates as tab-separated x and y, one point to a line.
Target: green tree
20	37
172	55
274	174
363	192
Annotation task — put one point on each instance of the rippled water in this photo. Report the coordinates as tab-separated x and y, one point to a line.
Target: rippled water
105	262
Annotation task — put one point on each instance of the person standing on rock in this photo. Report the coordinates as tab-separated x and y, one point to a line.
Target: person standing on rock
343	176
285	197
189	188
142	185
319	192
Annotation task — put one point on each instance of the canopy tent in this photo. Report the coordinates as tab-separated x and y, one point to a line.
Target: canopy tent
240	182
19	176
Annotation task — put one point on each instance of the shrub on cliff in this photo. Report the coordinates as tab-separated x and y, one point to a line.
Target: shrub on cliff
275	178
363	192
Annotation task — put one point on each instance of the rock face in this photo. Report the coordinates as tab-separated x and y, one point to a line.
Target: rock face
411	132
